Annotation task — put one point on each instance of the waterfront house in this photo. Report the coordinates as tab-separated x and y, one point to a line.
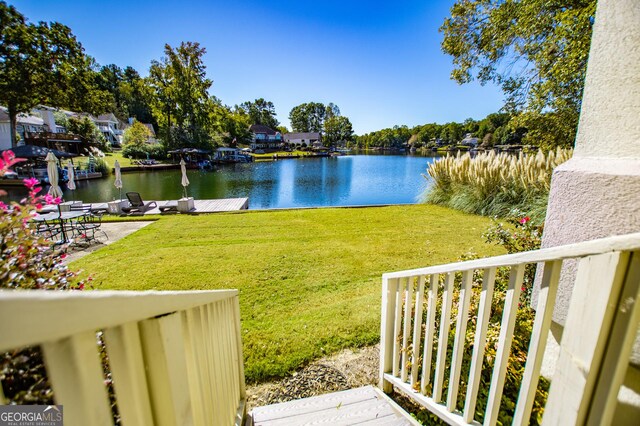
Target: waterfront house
26	123
265	138
303	139
110	127
470	141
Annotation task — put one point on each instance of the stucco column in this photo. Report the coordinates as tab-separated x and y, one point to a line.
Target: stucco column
597	193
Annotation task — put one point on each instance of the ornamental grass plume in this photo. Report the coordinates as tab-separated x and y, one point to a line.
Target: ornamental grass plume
494	184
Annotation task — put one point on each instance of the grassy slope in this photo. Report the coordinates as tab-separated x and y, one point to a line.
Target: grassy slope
309	280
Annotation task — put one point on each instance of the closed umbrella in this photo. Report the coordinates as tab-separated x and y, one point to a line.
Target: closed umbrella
118	181
52	172
71	184
185	179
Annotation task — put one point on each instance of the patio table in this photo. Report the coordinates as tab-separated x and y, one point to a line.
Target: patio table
60	218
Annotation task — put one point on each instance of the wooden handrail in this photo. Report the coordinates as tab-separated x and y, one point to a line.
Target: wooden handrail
175	357
594	351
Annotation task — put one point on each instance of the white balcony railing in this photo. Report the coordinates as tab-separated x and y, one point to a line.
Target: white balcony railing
175	357
595	348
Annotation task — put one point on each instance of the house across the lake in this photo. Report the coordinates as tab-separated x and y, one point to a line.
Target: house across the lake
265	138
304	139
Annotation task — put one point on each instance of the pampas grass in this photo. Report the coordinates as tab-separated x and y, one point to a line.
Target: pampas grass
494	184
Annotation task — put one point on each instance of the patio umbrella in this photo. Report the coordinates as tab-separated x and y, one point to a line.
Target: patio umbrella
185	179
118	182
71	184
52	172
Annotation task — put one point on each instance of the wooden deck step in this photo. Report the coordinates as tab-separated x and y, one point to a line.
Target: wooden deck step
361	406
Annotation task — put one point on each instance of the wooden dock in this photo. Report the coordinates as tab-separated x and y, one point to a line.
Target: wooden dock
211	206
362	406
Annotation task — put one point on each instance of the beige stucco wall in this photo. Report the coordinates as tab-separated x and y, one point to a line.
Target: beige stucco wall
597	193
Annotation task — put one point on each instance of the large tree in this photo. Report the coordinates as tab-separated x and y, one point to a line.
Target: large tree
43	64
309	117
337	129
536	50
260	112
181	96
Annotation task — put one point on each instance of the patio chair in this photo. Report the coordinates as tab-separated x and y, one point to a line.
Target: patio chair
169	207
137	205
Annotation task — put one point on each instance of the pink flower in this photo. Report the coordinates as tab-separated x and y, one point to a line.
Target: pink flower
31	182
50	200
3	206
525	220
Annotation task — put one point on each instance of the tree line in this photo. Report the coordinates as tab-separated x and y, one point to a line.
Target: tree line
535	50
494	129
44	64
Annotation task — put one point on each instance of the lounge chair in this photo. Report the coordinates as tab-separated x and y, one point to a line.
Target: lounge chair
169	207
136	205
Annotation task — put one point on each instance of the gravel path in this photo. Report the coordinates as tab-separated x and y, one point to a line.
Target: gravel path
345	370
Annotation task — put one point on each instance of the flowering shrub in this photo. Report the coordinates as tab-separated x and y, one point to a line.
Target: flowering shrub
28	261
520	233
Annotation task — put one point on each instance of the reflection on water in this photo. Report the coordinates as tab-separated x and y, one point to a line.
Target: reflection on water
341	181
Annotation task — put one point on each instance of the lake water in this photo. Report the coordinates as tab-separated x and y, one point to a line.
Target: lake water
341	181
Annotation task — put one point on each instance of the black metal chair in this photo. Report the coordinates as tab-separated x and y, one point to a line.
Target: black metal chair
137	205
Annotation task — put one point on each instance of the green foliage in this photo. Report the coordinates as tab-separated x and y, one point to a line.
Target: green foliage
337	129
536	50
137	134
260	112
101	166
519	234
181	102
27	261
42	64
85	127
495	184
142	152
308	117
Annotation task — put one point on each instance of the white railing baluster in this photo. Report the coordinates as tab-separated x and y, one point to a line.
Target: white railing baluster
75	372
429	333
206	366
127	368
417	331
443	336
459	342
538	343
479	342
194	369
504	343
406	332
620	345
594	301
218	385
164	350
171	361
238	361
397	329
387	326
603	317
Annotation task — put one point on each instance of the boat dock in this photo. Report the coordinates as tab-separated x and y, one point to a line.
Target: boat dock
210	206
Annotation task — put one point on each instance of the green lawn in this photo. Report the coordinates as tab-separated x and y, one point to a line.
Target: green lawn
309	280
111	157
269	155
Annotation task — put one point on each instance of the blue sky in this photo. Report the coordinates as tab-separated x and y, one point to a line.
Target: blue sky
380	62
